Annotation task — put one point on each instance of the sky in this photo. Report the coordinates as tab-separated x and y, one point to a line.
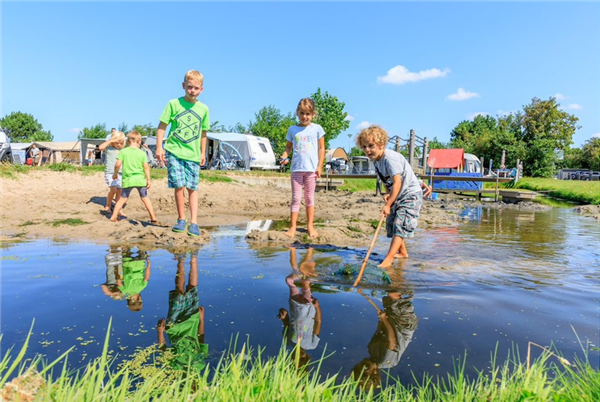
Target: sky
425	66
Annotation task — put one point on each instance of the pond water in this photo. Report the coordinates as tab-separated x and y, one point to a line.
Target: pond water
502	279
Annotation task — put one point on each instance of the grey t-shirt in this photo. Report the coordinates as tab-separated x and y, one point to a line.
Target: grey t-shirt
305	142
393	163
111	154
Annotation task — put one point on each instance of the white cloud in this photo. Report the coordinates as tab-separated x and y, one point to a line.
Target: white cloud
349	118
560	96
597	135
362	125
574	106
504	112
400	75
472	116
462	94
74	130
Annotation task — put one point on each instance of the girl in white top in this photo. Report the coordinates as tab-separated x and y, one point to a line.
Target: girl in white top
307	139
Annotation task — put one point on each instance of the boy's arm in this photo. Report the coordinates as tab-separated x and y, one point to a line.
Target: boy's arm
391	196
391	335
104	145
117	168
147	173
321	156
160	135
317	327
203	148
147	272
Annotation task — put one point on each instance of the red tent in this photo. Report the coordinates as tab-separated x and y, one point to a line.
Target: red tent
446	158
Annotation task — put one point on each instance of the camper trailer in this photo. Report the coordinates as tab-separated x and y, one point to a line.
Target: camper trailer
256	152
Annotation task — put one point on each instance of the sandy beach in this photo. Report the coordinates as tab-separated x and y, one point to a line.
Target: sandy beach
33	206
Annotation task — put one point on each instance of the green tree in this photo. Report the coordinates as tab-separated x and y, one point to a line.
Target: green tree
23	127
591	153
437	144
97	131
544	128
330	115
272	124
146	130
355	151
572	158
123	128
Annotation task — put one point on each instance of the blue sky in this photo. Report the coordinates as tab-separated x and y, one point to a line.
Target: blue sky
425	66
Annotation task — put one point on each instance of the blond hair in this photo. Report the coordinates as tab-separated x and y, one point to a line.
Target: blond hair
374	134
117	135
134	136
307	104
193	75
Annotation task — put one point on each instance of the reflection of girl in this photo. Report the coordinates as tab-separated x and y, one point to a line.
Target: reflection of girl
395	328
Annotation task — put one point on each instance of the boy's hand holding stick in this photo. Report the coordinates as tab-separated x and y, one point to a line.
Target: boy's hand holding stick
364	264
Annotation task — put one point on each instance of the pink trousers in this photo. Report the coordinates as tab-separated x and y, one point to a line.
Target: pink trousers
308	180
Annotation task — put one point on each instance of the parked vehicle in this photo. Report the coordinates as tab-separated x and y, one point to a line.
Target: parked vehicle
5	149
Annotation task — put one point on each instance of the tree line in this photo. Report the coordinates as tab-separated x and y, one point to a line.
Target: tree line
540	136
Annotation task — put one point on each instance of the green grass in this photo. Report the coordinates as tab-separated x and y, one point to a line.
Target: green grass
586	192
69	222
244	374
356	185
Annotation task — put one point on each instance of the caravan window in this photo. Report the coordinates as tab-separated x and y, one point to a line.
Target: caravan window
262	147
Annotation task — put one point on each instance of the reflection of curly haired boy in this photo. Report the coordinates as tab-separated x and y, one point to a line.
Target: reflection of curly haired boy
395	328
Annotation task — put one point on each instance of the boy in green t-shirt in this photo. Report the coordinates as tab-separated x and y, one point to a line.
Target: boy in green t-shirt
136	174
185	146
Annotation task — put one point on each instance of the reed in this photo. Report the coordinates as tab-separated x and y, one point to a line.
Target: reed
244	374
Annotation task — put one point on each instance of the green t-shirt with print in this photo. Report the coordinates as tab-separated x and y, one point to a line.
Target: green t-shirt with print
187	121
133	160
133	276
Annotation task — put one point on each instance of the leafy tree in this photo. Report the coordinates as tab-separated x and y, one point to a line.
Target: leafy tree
543	129
239	128
572	159
591	153
23	127
272	124
123	128
437	144
146	130
97	131
330	115
355	151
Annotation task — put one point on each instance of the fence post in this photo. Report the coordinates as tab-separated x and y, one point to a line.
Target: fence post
411	149
425	154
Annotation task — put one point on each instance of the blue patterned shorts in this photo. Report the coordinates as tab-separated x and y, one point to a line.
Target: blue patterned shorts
182	306
402	221
182	173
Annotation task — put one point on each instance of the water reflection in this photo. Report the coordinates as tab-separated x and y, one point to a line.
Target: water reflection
396	325
127	275
302	324
184	324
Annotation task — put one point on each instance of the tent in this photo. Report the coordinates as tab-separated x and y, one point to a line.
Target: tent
338	153
56	152
87	144
19	152
446	159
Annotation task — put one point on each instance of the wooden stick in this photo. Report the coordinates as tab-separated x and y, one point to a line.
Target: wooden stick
364	264
370	301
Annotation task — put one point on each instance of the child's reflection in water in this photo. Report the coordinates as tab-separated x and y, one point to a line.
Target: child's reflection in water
395	327
302	324
127	275
184	324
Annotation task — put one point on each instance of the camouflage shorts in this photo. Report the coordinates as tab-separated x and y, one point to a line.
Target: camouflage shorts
402	221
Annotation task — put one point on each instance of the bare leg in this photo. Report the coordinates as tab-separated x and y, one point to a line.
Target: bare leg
193	278
148	205
193	197
117	197
402	253
395	247
117	209
112	192
294	224
180	276
180	202
310	218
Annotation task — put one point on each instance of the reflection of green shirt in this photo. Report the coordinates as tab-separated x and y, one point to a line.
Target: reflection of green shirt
133	276
187	121
187	349
133	167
